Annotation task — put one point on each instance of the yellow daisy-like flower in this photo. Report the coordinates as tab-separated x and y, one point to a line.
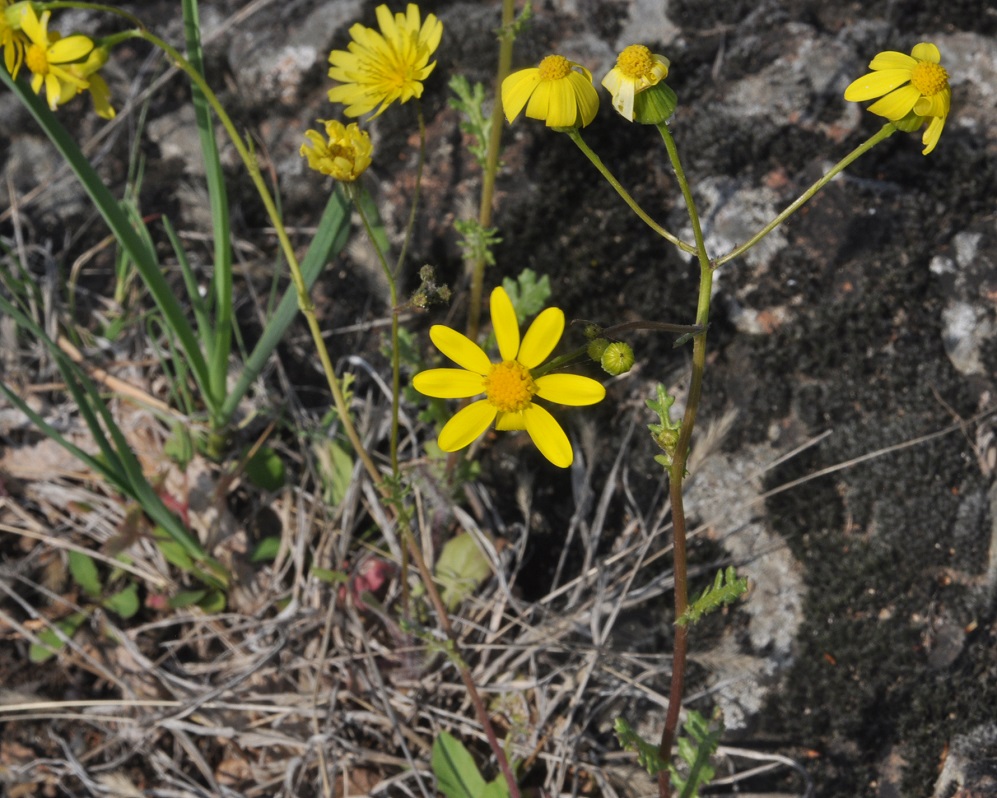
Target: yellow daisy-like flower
49	57
380	68
912	88
508	385
12	40
558	91
344	153
637	68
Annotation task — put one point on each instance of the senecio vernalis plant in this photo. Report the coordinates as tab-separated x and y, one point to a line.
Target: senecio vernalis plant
384	68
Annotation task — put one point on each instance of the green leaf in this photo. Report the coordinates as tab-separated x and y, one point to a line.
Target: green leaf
186	598
726	588
695	749
647	753
331	577
179	447
214	601
528	294
266	470
335	468
666	432
461	568
457	774
51	643
266	550
125	602
475	122
85	574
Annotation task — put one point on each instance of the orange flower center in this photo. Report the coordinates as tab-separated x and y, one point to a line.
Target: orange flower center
635	62
929	78
555	67
509	386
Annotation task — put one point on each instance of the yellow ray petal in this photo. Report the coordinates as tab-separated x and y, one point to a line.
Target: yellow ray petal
541	337
460	349
448	383
466	425
548	436
505	324
570	389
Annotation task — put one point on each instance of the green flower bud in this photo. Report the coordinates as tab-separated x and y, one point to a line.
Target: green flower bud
655	104
593	331
596	347
618	358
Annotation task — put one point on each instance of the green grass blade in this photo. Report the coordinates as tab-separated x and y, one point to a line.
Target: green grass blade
333	232
220	343
116	219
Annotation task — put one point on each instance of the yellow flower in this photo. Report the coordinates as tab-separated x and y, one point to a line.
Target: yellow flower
637	68
508	385
12	40
49	57
96	85
346	154
379	68
913	89
558	91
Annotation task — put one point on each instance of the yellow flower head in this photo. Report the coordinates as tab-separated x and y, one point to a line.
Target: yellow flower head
49	57
12	40
508	385
912	89
380	68
637	68
344	153
558	91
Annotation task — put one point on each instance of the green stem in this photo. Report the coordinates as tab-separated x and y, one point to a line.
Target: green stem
884	132
491	167
354	192
575	135
679	460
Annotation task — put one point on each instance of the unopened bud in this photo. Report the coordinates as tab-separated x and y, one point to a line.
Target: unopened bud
618	358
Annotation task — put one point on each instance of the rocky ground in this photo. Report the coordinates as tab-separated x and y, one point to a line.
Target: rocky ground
850	380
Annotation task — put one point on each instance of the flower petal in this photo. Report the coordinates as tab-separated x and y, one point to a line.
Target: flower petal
72	48
570	389
517	89
548	436
891	59
460	349
926	51
448	383
541	337
466	425
932	133
505	324
876	84
539	104
897	104
586	98
508	422
562	110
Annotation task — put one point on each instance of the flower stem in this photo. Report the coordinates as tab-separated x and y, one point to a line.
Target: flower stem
491	168
353	190
884	132
678	466
575	135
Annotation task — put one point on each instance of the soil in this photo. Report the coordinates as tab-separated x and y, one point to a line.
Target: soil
838	340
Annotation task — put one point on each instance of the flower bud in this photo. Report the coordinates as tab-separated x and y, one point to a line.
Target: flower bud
618	358
596	347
